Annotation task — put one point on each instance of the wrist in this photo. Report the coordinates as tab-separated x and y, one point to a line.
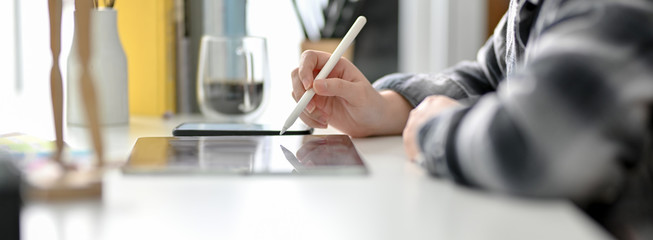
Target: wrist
394	113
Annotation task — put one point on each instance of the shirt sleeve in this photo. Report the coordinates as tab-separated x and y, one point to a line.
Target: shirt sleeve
466	81
569	122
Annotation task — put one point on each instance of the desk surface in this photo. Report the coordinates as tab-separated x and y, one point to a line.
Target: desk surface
397	200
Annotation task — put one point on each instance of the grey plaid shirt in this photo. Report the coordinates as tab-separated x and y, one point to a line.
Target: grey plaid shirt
557	101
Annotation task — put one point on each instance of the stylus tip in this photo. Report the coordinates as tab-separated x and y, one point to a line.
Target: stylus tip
283	130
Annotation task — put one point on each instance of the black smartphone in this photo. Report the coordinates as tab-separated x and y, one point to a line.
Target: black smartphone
237	129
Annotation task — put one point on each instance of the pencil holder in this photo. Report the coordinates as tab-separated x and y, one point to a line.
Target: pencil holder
327	45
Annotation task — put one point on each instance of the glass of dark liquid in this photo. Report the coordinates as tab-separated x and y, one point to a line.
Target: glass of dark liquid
232	78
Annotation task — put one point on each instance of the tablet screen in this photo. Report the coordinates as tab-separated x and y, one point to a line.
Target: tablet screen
246	155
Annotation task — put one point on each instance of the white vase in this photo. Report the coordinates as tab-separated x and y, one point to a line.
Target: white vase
108	68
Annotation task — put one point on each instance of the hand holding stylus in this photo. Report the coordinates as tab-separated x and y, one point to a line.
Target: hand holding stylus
325	70
345	99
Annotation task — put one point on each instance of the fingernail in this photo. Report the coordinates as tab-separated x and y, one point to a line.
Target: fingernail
310	107
306	84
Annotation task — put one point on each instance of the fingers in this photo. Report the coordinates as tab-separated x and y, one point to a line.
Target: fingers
310	122
345	81
350	91
319	102
409	139
429	108
298	91
297	87
317	119
310	64
302	77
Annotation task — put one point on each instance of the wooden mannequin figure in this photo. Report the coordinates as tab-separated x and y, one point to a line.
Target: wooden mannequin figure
72	182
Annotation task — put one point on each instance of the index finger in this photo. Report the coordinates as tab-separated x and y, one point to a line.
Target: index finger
310	64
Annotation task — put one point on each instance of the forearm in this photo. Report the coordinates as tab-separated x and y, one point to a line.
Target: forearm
394	114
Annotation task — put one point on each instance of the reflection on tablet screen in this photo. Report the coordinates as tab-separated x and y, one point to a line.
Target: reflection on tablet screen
308	154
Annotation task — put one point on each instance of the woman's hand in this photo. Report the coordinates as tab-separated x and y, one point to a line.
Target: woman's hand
428	109
346	99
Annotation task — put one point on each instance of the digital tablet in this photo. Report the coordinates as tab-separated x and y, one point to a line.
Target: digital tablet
237	129
246	155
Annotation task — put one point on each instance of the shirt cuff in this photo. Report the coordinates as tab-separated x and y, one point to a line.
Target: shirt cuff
396	82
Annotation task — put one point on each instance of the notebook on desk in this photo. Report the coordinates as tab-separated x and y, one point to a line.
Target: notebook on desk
246	155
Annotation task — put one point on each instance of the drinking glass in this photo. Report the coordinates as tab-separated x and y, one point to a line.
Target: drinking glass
233	78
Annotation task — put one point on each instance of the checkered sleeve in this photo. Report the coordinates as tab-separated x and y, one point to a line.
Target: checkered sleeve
570	121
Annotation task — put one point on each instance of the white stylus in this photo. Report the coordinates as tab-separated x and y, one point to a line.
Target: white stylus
326	69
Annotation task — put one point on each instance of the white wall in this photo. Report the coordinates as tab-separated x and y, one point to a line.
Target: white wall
7	59
27	108
276	21
25	104
436	34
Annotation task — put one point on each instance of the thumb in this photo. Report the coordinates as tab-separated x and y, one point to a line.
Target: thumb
337	87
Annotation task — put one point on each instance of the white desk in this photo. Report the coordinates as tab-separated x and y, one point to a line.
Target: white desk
397	200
